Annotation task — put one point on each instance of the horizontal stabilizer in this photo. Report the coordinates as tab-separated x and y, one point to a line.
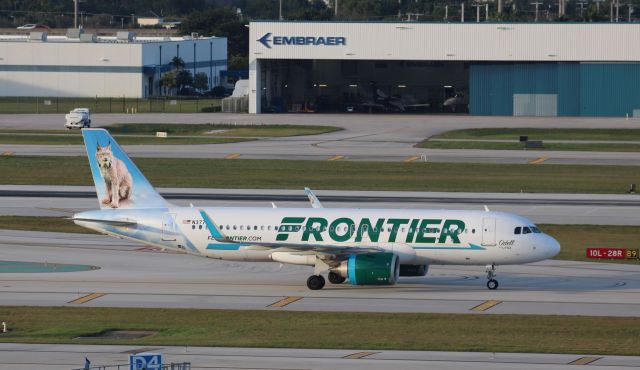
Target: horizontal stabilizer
108	222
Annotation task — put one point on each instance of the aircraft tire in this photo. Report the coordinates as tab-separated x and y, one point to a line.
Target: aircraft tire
335	278
492	284
315	282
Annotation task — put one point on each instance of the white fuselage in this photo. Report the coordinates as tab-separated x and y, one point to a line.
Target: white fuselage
416	236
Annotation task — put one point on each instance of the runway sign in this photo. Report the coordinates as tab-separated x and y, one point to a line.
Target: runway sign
145	361
612	253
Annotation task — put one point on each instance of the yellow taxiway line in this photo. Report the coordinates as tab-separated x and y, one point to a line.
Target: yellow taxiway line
335	158
584	360
538	160
87	298
486	305
232	155
285	301
412	158
358	355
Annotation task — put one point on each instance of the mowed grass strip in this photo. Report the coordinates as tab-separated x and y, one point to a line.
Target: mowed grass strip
220	129
43	223
442	332
75	139
629	134
144	133
586	147
341	175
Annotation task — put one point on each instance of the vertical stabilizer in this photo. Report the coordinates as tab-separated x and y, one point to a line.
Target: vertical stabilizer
119	183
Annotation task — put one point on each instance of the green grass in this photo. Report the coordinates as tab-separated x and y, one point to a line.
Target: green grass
42	223
76	139
544	134
588	147
537	134
295	174
144	133
575	239
106	105
376	331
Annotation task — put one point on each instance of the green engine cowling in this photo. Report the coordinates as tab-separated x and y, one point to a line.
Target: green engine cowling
370	269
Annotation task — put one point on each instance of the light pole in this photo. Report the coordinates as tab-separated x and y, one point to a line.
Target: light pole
537	4
280	10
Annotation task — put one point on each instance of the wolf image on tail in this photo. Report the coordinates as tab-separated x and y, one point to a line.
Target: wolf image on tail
116	177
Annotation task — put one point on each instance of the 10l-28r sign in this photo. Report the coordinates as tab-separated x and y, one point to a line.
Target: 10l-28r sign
612	253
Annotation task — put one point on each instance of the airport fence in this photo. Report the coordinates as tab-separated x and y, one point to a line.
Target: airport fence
109	105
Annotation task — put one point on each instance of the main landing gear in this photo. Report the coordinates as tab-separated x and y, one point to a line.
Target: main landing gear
491	274
335	278
315	282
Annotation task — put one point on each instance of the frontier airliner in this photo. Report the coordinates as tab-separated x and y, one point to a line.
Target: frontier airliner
361	246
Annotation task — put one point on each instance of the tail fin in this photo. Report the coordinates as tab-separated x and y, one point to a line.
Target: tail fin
119	183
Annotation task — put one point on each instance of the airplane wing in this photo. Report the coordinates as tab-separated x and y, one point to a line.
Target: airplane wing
315	202
108	222
217	234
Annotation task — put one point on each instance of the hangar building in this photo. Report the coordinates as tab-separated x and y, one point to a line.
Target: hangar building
542	69
86	65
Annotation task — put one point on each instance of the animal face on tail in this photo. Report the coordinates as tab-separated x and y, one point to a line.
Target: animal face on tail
116	177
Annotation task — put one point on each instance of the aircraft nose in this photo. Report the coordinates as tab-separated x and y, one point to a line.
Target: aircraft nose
552	246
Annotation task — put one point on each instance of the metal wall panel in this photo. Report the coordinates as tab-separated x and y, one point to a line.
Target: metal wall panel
609	89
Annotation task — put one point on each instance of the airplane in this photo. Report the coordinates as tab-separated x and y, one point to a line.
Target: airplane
358	246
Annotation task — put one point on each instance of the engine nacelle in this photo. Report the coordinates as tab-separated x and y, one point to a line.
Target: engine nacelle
370	269
413	270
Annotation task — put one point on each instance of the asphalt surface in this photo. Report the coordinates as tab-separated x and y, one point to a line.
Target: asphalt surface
364	138
65	357
134	275
596	209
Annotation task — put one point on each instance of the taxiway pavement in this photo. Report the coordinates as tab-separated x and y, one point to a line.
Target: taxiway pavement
65	357
133	275
364	138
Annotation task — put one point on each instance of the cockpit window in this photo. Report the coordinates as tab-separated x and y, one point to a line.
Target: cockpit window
526	230
517	230
535	230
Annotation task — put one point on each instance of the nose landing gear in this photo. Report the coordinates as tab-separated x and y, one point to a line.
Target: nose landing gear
492	284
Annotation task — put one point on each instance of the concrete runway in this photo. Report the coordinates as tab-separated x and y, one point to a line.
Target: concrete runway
596	209
132	275
65	357
364	138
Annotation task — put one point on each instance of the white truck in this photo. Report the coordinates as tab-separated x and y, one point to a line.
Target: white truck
78	118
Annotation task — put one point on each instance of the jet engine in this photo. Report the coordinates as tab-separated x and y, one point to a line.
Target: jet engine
414	270
370	269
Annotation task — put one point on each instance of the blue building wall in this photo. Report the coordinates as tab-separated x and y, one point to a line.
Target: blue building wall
583	89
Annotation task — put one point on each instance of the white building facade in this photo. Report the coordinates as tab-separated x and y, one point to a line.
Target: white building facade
501	68
90	66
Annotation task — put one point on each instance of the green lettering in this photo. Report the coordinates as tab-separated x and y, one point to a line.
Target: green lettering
288	221
422	234
310	230
373	232
453	234
395	226
412	230
333	229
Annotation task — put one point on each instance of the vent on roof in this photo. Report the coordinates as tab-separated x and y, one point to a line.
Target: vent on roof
38	36
125	36
74	33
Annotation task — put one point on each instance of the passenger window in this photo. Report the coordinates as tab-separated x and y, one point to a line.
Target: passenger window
200	227
234	227
241	227
473	231
526	230
517	230
262	227
255	227
193	227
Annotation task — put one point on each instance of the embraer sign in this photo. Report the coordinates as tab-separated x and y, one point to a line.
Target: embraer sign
266	40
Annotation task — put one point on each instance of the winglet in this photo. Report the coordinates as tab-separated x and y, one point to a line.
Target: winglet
315	202
486	209
214	229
